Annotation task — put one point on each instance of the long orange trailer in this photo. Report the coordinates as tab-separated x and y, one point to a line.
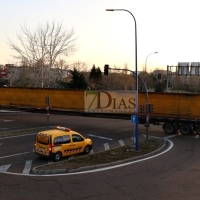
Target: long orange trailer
174	111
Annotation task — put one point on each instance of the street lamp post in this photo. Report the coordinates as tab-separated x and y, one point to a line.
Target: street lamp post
146	63
136	80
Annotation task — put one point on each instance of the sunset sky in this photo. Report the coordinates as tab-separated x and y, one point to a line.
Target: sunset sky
168	27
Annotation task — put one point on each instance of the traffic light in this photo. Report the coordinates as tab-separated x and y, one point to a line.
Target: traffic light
47	99
159	76
106	70
142	108
150	108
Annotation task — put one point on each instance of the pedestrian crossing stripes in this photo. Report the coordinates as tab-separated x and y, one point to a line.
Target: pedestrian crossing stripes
26	166
91	151
121	142
133	138
4	168
106	146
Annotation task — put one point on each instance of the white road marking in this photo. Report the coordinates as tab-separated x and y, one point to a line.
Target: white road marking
91	151
170	136
3	128
121	142
9	111
100	137
8	120
14	128
106	146
50	161
27	167
133	140
4	168
17	136
18	154
100	169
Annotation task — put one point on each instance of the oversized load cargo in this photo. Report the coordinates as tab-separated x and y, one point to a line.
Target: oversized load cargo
175	111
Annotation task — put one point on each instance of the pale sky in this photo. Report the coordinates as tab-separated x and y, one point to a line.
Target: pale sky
169	27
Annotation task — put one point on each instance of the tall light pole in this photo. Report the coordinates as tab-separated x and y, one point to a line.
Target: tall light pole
136	80
146	63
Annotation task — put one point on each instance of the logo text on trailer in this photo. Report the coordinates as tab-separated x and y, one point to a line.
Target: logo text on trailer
110	101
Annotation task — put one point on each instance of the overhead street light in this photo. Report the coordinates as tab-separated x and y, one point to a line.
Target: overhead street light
136	79
146	63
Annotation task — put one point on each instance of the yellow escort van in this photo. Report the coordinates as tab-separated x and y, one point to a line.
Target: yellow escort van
61	142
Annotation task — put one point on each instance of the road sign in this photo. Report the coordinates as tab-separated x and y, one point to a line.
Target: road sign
133	118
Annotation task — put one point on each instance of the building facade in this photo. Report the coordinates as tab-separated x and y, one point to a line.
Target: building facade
3	72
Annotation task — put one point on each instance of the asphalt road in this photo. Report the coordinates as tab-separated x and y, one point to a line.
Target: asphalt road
17	153
173	175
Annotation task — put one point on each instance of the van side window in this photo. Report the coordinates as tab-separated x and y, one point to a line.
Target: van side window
58	140
62	140
77	138
66	139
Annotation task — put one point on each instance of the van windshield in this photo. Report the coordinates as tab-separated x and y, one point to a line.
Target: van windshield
42	138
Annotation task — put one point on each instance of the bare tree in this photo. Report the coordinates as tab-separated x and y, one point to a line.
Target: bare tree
80	66
42	48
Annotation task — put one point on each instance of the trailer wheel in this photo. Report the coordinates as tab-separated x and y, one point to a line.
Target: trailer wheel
169	128
198	129
185	129
176	126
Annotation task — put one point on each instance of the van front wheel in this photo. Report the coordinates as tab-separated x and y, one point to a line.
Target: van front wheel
57	157
87	149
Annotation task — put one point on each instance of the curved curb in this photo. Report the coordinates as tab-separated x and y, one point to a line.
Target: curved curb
86	168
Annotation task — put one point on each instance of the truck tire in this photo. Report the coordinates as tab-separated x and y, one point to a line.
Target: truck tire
185	129
198	129
169	128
